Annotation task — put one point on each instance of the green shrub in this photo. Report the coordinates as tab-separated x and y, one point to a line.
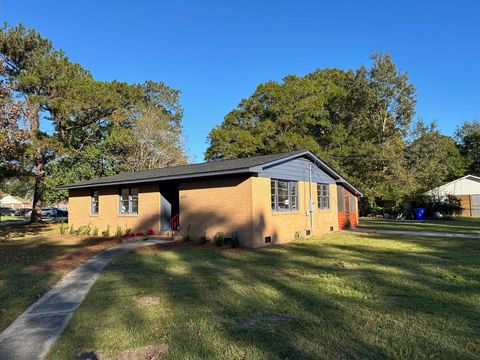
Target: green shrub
106	232
84	230
63	229
72	230
95	231
298	235
235	239
204	239
128	232
218	238
118	232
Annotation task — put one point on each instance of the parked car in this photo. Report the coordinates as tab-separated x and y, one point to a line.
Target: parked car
6	211
23	212
49	212
54	212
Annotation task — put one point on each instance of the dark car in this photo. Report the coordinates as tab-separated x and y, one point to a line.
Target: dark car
6	211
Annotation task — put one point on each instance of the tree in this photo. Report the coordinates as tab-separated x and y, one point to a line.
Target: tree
13	133
57	90
433	158
468	139
356	120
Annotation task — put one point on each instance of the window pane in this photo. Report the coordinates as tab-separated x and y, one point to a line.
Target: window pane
124	201
134	200
273	194
283	202
94	204
294	195
340	199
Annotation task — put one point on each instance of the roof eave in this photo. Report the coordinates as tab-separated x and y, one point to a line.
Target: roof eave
150	180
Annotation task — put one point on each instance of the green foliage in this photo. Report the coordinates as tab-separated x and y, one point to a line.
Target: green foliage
204	239
355	120
433	158
99	126
106	232
118	232
218	239
95	231
299	235
63	229
71	231
84	230
128	231
468	138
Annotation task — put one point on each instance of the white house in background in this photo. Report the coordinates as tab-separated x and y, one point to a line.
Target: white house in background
467	189
14	202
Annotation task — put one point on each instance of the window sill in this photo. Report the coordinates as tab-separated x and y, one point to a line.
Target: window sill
94	215
286	212
128	215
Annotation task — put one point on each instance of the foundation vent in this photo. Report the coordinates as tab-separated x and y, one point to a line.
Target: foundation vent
268	239
308	232
331	228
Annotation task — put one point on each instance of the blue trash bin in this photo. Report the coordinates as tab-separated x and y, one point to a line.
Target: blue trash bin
419	213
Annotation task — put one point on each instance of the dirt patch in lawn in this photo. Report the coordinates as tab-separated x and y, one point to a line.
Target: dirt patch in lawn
144	301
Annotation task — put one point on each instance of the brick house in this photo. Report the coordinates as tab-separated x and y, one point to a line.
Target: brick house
264	199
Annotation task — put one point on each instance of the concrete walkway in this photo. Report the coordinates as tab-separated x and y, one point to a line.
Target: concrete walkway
418	233
32	334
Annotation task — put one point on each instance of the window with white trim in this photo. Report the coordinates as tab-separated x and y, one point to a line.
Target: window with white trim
129	201
94	202
323	196
284	195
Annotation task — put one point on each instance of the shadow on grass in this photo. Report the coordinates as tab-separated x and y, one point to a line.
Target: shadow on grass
344	296
32	258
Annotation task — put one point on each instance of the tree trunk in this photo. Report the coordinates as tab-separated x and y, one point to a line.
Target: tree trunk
39	162
38	187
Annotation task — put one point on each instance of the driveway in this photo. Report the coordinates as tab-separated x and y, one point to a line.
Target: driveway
32	334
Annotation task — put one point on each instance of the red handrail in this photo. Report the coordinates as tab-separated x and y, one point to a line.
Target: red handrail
175	222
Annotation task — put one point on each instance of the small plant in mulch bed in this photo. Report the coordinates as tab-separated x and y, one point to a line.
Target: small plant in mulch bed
118	232
63	229
218	238
106	232
72	230
95	231
204	239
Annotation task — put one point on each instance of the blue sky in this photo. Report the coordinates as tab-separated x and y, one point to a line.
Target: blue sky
217	52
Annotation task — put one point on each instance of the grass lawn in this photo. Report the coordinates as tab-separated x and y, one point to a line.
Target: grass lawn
345	295
32	259
9	218
460	225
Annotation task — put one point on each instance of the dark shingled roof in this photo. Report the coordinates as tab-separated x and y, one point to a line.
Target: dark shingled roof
210	168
